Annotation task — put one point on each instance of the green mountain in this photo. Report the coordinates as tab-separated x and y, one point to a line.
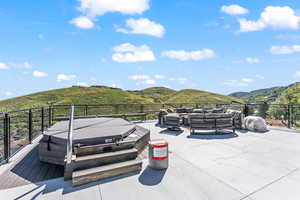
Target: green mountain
268	95
74	95
201	97
291	95
108	95
157	94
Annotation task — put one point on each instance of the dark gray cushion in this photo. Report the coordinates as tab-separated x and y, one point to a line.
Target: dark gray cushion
198	110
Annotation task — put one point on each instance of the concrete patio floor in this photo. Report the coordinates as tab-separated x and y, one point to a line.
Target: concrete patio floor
244	165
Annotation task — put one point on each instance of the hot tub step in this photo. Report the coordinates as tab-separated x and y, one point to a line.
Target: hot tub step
89	161
81	177
100	148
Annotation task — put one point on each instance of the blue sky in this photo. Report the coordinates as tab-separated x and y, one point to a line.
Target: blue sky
217	46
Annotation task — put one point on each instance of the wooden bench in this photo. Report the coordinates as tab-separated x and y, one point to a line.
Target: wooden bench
124	116
211	121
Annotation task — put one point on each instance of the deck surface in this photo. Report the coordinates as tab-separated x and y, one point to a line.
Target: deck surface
241	166
28	169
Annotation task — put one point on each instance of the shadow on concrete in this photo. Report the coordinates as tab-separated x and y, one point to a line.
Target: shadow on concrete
242	130
43	188
29	169
248	131
152	177
171	132
160	125
212	136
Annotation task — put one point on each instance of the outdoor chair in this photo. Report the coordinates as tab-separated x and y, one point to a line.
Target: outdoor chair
161	116
172	121
237	117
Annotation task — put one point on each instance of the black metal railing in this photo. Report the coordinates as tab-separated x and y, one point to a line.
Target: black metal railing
19	128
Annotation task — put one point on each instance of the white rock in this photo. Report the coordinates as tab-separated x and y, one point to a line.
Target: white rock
255	123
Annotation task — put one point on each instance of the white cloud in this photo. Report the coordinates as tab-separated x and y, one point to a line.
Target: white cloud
40	36
94	8
39	74
277	50
234	10
143	26
128	53
247	25
150	82
159	76
3	66
139	77
114	85
273	17
239	83
260	77
82	22
65	77
297	74
246	80
189	55
252	60
8	93
182	80
24	65
82	84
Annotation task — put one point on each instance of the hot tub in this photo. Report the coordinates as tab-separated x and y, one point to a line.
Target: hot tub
86	132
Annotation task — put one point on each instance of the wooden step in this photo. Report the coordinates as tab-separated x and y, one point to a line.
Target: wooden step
81	177
89	161
100	148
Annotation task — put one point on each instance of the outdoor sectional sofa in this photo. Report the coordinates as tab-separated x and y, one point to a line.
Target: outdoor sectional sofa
202	119
211	121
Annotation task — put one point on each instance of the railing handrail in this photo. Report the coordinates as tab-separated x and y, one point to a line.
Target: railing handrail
70	137
135	104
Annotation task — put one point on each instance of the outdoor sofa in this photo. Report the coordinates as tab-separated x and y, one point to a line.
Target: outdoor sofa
213	118
211	121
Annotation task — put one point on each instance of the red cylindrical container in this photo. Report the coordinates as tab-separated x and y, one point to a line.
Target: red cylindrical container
158	154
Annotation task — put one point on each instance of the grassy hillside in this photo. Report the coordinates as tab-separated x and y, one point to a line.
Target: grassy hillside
263	95
74	95
291	95
108	95
201	97
157	94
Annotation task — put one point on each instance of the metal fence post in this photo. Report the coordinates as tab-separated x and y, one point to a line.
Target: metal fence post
52	114
6	137
49	116
292	115
142	108
117	108
289	116
30	126
42	120
86	110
